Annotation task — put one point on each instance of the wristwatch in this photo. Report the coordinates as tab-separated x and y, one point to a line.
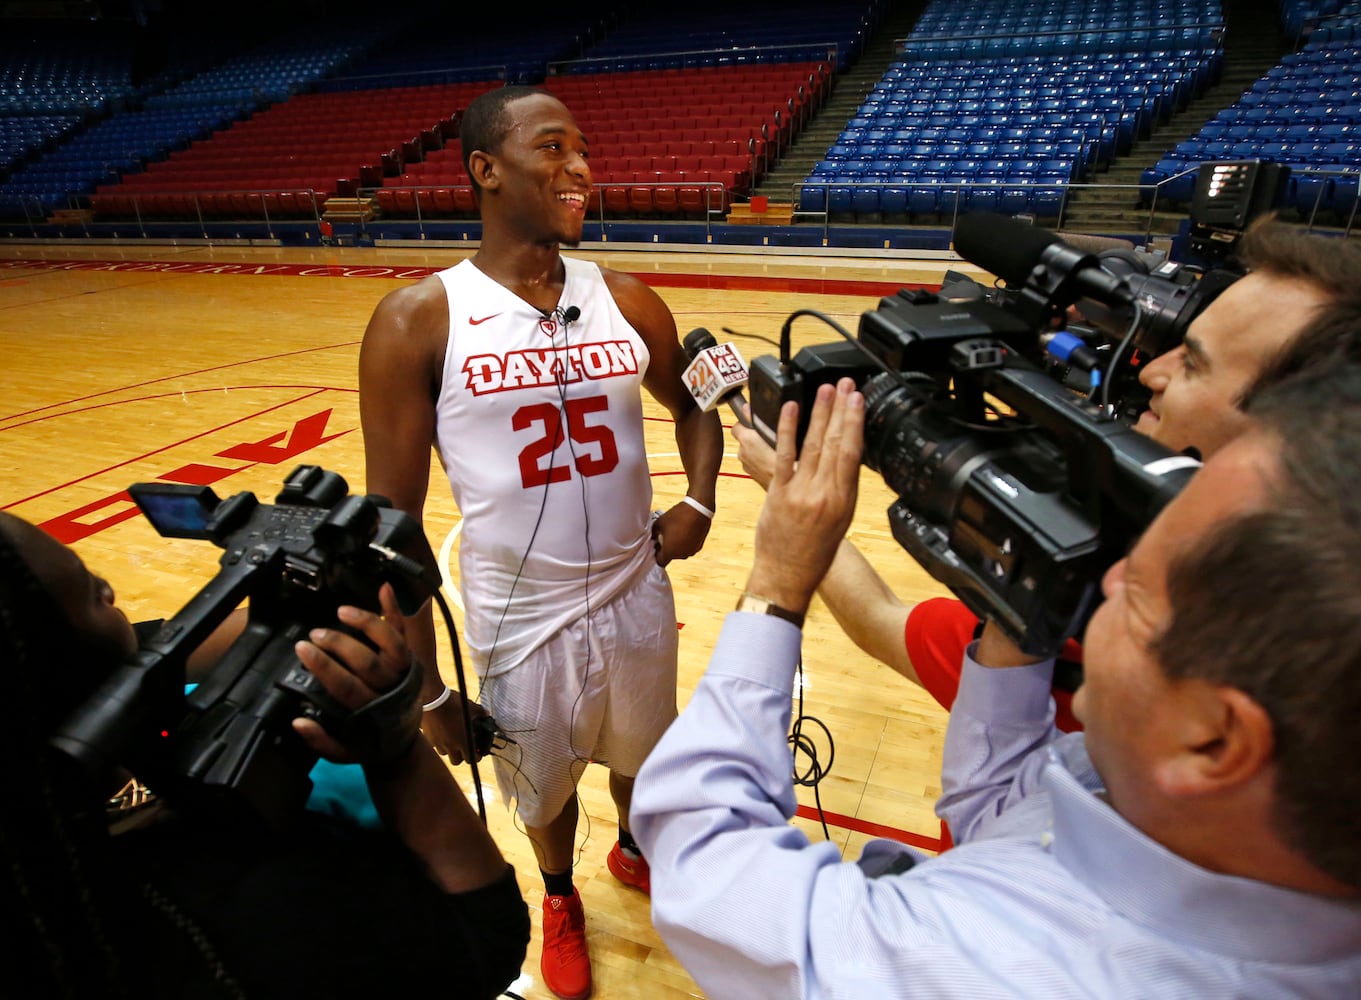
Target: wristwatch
763	606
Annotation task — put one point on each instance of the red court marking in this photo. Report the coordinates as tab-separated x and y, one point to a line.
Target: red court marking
872	829
173	444
825	286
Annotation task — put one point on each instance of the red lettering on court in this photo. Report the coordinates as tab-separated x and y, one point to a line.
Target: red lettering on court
307	434
195	474
69	528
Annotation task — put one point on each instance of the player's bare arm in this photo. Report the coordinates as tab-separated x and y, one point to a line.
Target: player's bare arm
401	362
681	531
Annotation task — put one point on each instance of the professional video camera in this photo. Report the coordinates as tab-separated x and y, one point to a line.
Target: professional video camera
229	743
1115	332
1014	490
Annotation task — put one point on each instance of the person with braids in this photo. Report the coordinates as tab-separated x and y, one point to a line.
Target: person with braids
176	904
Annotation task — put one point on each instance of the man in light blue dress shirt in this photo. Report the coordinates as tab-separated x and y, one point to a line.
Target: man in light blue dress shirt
1201	838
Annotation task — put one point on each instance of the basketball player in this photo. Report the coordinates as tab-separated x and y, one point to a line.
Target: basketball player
523	368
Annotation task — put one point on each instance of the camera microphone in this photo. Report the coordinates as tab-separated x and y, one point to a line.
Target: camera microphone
1001	245
716	373
1048	270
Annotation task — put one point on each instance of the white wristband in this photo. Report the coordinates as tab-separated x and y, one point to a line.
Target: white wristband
443	696
691	501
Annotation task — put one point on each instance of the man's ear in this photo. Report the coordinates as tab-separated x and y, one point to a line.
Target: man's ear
482	169
1225	740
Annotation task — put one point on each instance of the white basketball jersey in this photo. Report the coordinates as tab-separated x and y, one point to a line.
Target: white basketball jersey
539	426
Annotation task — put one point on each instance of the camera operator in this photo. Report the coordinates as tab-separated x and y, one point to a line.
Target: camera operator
1197	390
171	902
1200	838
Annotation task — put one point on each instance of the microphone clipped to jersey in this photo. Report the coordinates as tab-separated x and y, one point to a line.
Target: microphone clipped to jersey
716	373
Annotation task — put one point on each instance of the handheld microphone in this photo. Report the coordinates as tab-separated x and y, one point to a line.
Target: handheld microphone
716	373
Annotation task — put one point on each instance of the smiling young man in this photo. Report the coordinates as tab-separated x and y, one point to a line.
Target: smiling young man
523	368
1200	838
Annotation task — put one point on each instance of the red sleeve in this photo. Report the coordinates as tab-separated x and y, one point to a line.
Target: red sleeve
937	633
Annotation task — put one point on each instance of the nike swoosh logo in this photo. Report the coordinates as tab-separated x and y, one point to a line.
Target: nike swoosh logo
473	321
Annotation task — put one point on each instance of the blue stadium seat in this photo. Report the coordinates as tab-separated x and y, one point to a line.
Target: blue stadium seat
985	194
865	198
839	199
813	197
1181	188
923	198
893	200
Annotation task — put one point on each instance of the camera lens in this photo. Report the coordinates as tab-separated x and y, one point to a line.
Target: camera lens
913	440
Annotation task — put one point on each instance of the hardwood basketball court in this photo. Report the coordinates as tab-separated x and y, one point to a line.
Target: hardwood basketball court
230	365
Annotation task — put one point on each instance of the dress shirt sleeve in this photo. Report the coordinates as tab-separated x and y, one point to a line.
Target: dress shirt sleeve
746	901
1002	720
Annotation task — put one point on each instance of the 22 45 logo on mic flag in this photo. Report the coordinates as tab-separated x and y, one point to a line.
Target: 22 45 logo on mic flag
731	367
712	371
701	377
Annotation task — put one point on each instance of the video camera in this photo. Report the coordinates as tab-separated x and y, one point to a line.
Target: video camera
229	742
1018	508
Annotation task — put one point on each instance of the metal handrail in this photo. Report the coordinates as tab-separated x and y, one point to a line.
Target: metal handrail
715	193
831	49
1155	190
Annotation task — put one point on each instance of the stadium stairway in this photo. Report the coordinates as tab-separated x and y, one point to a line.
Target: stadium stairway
1253	42
849	90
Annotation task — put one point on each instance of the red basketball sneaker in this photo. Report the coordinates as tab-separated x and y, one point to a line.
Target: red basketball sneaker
565	965
630	871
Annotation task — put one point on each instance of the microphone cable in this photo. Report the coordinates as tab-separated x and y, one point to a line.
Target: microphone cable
411	568
564	317
751	336
469	736
812	775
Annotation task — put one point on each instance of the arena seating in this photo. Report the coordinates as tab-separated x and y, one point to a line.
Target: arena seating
989	105
1305	113
1001	106
295	155
702	148
1012	123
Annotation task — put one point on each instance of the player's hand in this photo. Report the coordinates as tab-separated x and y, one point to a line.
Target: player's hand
445	730
679	533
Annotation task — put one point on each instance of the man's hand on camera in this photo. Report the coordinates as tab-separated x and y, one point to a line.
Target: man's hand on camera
356	673
757	457
810	502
